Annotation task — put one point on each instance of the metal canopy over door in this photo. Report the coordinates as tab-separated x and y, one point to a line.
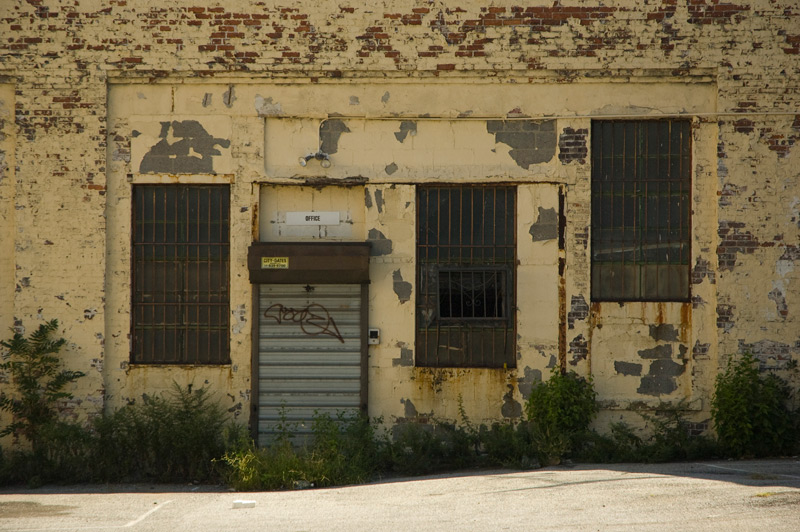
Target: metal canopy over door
309	354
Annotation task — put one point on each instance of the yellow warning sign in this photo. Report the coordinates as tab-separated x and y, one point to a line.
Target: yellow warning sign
274	263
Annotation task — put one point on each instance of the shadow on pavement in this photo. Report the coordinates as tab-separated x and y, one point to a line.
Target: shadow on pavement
775	472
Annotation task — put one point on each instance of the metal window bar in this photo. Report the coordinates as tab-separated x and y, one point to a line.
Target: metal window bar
466	249
472	294
641	227
180	274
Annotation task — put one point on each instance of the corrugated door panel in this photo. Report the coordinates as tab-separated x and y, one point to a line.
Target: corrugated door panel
309	355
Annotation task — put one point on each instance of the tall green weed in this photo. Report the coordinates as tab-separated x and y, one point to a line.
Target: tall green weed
752	411
343	450
560	411
38	381
174	436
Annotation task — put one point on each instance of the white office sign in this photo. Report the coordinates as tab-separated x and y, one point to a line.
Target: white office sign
313	218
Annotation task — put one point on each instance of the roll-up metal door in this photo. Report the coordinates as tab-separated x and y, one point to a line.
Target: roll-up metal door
309	351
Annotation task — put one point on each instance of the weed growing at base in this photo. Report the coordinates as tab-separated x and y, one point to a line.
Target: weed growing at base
186	435
343	450
38	379
753	411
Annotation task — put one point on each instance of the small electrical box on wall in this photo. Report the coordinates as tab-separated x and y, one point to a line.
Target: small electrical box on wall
374	336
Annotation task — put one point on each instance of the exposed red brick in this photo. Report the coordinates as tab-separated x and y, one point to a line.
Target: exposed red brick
743	126
725	317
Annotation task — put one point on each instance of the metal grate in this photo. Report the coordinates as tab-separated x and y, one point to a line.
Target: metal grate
180	274
309	356
466	248
641	201
472	294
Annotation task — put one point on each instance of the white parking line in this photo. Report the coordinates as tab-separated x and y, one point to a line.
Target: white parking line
146	514
108	527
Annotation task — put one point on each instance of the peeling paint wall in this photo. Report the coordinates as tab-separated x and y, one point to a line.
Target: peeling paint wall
7	204
757	246
97	98
182	147
178	134
642	354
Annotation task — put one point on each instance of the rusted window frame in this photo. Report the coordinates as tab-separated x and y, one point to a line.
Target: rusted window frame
641	210
189	309
485	239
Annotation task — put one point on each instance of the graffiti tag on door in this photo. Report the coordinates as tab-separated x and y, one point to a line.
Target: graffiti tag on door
314	319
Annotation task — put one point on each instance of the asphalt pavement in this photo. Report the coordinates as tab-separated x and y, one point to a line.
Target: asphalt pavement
701	496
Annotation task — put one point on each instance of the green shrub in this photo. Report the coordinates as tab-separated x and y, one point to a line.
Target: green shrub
39	381
566	402
170	437
509	444
59	450
499	442
63	455
347	447
672	440
560	411
343	450
279	466
751	410
668	439
414	450
621	444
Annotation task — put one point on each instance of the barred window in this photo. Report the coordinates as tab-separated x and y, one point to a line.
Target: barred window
466	249
472	294
180	274
641	204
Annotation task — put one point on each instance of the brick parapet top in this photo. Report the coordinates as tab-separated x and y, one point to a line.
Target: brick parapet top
474	39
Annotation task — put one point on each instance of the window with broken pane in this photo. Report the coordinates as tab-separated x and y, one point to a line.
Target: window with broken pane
180	281
641	210
466	249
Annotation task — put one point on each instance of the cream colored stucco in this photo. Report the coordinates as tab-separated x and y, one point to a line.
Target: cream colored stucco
126	382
